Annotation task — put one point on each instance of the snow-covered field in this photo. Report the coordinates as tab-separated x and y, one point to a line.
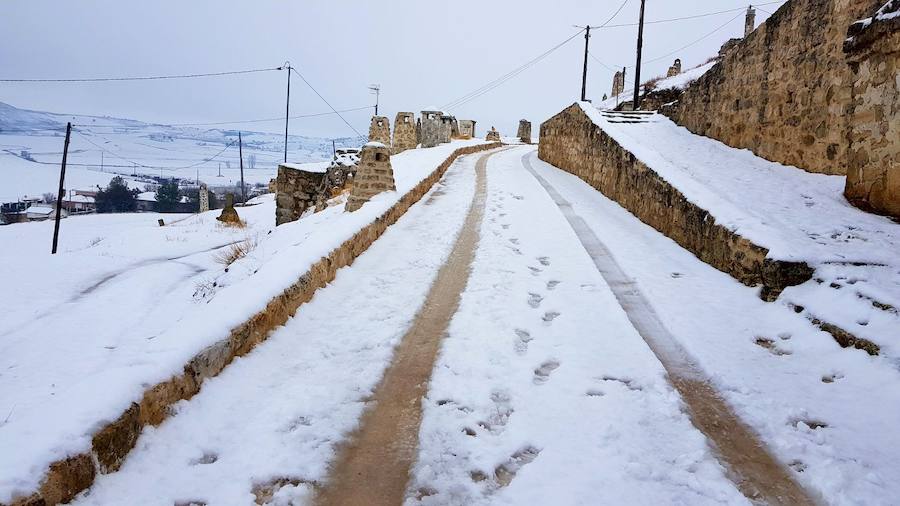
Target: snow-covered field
31	145
126	303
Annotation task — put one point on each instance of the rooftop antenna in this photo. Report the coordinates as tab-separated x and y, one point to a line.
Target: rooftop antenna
376	90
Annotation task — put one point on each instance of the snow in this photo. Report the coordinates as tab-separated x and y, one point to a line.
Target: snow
374	144
541	359
39	210
319	167
854	459
147	196
171	296
680	81
282	410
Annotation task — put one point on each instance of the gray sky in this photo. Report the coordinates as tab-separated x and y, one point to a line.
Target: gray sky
422	53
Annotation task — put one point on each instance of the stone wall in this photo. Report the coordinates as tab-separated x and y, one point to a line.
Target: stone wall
404	132
466	128
374	175
297	191
435	129
380	130
572	142
67	477
873	174
783	91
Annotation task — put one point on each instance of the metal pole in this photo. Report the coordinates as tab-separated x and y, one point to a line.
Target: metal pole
241	156
637	67
333	150
101	161
287	111
377	96
59	194
587	36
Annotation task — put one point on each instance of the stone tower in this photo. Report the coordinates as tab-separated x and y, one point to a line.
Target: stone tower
466	128
436	128
675	69
524	133
454	128
380	130
749	21
204	198
493	135
618	83
404	132
373	176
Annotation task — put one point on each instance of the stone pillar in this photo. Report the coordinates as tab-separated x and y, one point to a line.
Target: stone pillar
454	128
229	214
749	21
380	130
418	131
298	190
204	198
404	132
524	133
432	129
675	69
493	135
873	116
373	176
618	83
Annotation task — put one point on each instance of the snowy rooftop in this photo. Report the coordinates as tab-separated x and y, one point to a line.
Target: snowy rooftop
308	167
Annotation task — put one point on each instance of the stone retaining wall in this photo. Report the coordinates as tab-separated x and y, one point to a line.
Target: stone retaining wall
572	142
783	91
297	191
66	478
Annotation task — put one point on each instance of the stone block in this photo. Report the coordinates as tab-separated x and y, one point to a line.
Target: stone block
373	176
404	133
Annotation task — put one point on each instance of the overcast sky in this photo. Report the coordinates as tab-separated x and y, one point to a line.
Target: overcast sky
422	52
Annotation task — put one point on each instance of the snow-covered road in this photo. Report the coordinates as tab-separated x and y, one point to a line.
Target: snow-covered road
543	391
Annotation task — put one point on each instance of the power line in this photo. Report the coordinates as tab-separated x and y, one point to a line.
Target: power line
261	120
136	78
506	77
695	16
326	102
694	42
614	14
88	139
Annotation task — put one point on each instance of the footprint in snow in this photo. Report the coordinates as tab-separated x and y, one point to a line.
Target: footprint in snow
523	337
514	241
552	284
505	226
534	300
542	373
549	316
535	271
545	261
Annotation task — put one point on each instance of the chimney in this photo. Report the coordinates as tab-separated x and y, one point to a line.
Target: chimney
750	21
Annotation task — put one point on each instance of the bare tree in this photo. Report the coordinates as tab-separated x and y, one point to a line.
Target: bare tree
252	160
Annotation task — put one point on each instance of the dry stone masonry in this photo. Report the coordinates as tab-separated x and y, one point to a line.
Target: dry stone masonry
373	176
749	21
229	214
466	128
404	132
436	128
783	91
618	85
675	69
873	54
493	135
524	133
204	198
380	130
298	191
572	142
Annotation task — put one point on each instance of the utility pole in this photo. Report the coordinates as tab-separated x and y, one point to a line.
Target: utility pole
59	194
637	66
587	38
287	107
220	169
376	89
101	161
333	150
241	156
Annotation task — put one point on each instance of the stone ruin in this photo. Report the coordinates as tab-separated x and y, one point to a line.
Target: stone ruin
373	176
298	190
380	130
466	128
229	214
524	133
418	131
618	86
404	132
436	128
675	69
493	135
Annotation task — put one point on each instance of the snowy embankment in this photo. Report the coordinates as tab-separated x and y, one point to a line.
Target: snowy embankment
680	82
92	328
272	421
827	412
543	392
796	215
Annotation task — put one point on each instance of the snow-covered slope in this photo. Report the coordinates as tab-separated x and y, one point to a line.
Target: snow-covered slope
31	144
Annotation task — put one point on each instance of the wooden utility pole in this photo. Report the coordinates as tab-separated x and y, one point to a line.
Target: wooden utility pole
637	66
241	156
59	194
587	37
287	107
